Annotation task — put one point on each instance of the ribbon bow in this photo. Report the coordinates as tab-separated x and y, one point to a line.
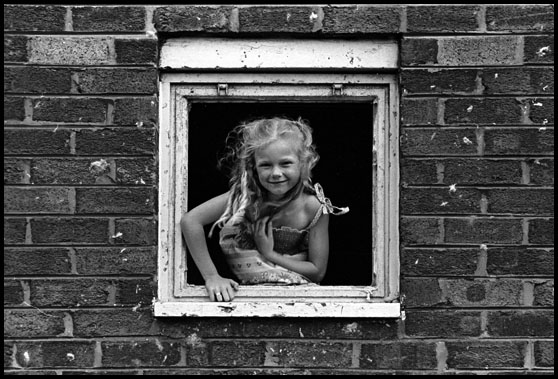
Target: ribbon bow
328	207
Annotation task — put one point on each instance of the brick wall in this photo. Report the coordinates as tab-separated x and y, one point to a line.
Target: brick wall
477	175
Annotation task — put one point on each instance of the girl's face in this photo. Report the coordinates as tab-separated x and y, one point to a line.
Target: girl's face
278	167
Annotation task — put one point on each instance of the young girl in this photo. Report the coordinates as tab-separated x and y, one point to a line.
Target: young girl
274	222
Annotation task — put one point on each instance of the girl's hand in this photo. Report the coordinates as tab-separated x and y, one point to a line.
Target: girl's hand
220	289
263	237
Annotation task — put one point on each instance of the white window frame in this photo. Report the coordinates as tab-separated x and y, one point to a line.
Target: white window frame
203	82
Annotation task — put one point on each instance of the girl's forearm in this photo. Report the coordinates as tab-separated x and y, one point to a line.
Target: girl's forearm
194	235
306	268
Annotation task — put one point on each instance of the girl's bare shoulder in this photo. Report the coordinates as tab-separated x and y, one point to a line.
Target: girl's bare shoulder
311	204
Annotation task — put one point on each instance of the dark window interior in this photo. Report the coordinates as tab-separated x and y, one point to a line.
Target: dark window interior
343	136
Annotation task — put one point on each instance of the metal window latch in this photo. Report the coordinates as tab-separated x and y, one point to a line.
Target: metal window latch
337	89
222	89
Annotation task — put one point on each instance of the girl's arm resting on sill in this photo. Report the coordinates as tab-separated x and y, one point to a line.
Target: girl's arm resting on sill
192	225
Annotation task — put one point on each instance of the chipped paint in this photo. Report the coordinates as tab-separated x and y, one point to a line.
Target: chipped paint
453	188
543	51
467	141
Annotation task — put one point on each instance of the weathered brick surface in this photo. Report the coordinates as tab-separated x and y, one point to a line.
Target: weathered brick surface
16	171
36	261
432	262
518	81
37	80
361	19
236	354
134	51
442	324
136	231
520	261
141	353
419	51
519	141
70	171
309	354
502	231
442	19
32	323
69	51
117	200
539	18
439	201
541	171
485	354
488	293
422	292
76	230
419	112
526	201
70	110
538	49
112	322
278	19
14	230
70	292
544	294
541	231
420	81
19	200
102	81
542	111
112	141
136	171
544	353
135	292
116	261
34	18
136	111
186	18
113	19
14	108
55	354
36	141
419	231
482	171
406	356
482	111
521	323
15	48
414	171
478	51
436	141
13	293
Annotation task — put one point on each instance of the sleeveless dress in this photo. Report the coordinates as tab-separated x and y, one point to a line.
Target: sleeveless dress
250	267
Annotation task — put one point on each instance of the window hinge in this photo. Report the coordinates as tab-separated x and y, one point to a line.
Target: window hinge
222	89
337	89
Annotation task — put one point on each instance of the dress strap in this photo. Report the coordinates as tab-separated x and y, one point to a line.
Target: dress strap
326	206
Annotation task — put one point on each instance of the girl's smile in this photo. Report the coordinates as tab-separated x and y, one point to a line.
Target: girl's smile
278	167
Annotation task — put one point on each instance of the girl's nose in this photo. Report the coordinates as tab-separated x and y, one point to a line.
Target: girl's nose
276	173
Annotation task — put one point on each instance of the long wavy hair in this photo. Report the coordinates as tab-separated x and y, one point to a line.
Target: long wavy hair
248	201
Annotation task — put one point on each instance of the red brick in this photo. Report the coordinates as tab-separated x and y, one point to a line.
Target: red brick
14	230
116	261
433	262
397	356
136	112
116	141
75	230
446	81
419	51
436	141
70	292
108	19
235	353
136	231
541	111
117	200
13	293
112	322
541	171
442	18
442	324
193	18
19	200
538	49
478	293
422	292
520	261
536	323
535	201
14	109
140	353
69	171
116	80
419	111
36	80
482	171
56	354
482	111
518	80
519	141
36	141
15	49
361	19
36	261
544	294
34	18
544	353
290	19
32	323
419	231
480	231
439	201
70	110
134	51
485	354
518	18
309	354
541	231
16	171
